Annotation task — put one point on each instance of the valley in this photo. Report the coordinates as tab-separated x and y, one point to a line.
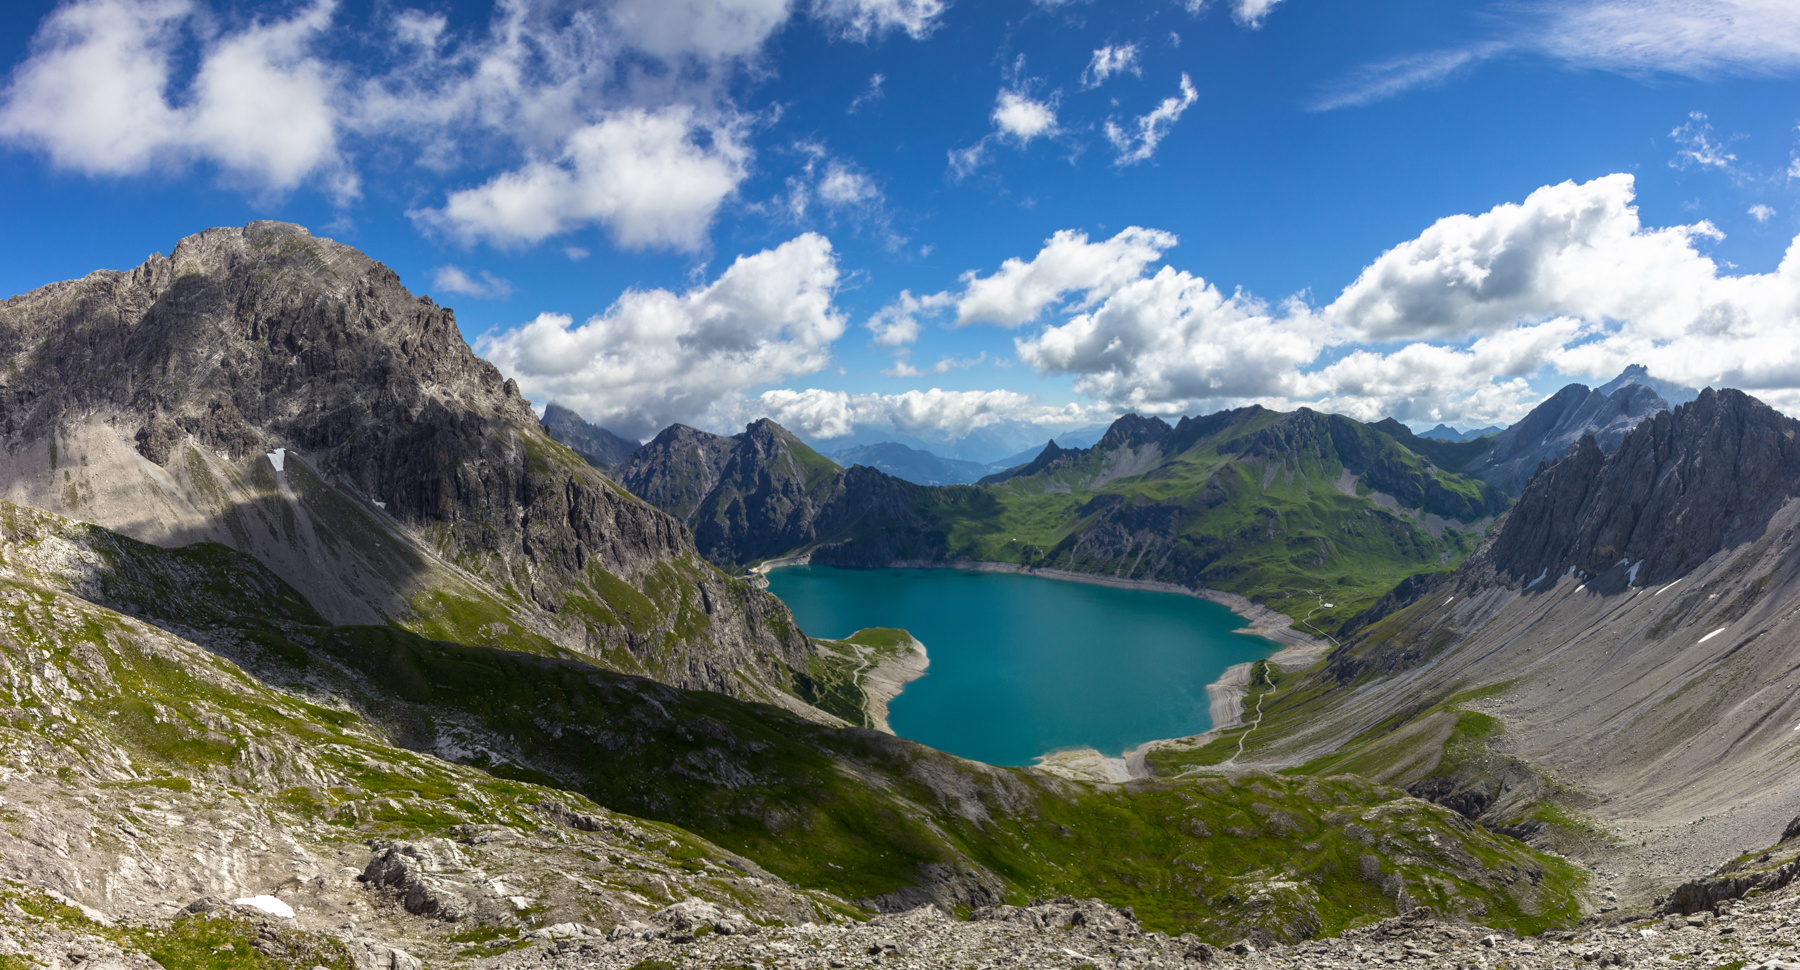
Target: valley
317	642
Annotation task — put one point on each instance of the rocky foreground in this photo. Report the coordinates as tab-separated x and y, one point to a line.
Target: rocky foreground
1762	933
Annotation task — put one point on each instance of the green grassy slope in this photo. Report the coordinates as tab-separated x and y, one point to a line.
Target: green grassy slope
866	815
853	812
1247	501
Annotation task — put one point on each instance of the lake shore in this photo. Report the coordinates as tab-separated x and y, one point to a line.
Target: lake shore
887	679
1225	696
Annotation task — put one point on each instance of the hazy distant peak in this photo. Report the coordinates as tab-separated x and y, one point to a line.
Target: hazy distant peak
1673	393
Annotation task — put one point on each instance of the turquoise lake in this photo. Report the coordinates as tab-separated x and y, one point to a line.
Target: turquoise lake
1021	665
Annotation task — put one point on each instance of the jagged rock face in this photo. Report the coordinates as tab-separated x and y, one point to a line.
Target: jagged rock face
1553	427
598	446
764	493
1679	488
247	340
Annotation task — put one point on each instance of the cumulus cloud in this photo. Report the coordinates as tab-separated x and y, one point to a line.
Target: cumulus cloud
897	324
98	94
1022	118
1451	324
1762	213
1067	263
656	357
1252	13
654	179
832	414
452	279
582	109
1173	337
1579	252
862	19
1569	249
1110	60
1137	143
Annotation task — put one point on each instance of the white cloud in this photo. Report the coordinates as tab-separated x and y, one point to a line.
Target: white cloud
1252	13
1139	145
1066	264
1384	79
656	357
832	414
844	186
1568	249
1110	60
870	95
1762	213
581	108
1697	145
1447	326
653	179
712	30
452	279
897	324
1695	38
964	161
97	95
947	364
1022	118
862	19
1173	337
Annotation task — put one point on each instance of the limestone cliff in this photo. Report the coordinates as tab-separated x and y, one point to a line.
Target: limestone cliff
285	395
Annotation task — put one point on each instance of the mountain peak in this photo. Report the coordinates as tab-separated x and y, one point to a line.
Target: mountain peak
1678	488
1638	374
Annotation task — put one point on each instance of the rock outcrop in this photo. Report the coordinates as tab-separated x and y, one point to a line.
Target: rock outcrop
286	396
1674	491
596	445
1512	456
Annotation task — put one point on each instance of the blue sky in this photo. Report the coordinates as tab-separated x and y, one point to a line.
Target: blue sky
708	210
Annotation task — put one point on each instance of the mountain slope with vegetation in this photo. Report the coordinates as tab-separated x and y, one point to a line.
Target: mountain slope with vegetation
1297	510
1608	676
285	396
181	677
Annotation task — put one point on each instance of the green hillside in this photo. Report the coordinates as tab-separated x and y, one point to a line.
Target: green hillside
1315	515
340	731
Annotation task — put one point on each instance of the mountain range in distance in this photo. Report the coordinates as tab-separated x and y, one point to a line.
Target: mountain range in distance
320	646
1444	432
1551	429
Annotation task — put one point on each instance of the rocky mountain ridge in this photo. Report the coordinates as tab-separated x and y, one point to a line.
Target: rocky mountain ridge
1250	501
286	396
596	445
1607	676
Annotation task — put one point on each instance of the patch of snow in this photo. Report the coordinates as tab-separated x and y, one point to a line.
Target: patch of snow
1666	588
1631	580
1447	602
1715	633
1541	577
278	458
381	505
268	904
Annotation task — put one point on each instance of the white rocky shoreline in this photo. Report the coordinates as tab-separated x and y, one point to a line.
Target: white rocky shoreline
1225	696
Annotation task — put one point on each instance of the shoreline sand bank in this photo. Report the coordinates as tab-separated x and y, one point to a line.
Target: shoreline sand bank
1225	696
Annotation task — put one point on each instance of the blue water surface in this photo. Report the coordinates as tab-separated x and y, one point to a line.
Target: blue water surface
1022	665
